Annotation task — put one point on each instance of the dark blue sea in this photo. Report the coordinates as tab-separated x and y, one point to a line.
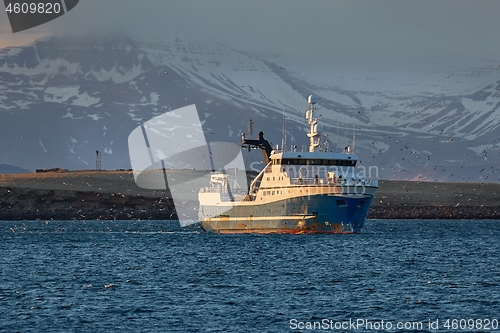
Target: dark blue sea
153	276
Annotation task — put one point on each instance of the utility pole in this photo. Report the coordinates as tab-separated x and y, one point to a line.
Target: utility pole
97	160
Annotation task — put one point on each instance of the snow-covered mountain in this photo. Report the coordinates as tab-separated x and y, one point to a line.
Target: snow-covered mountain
62	98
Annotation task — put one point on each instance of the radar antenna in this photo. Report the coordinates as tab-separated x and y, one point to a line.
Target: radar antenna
316	129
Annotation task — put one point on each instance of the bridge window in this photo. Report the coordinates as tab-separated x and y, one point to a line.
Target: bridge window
317	161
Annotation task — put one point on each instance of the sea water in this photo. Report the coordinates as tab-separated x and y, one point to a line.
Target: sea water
154	276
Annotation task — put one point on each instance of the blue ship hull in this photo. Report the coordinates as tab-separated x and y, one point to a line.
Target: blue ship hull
320	213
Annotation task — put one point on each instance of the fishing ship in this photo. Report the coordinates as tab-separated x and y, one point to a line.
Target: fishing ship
314	191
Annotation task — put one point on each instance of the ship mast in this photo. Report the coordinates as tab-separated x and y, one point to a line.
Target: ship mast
315	129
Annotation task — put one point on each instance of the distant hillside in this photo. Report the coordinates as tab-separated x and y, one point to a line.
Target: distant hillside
10	169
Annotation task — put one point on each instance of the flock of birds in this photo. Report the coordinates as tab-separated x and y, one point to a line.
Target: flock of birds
416	158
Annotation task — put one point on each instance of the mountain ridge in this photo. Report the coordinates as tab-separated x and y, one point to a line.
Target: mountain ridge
63	98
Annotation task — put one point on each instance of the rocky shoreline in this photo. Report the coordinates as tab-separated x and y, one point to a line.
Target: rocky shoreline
87	214
113	195
435	212
401	213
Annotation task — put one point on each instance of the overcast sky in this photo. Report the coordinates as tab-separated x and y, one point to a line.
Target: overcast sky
345	33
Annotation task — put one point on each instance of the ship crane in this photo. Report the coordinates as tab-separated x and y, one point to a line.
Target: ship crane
260	143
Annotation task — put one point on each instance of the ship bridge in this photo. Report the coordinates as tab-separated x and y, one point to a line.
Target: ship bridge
313	168
314	158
